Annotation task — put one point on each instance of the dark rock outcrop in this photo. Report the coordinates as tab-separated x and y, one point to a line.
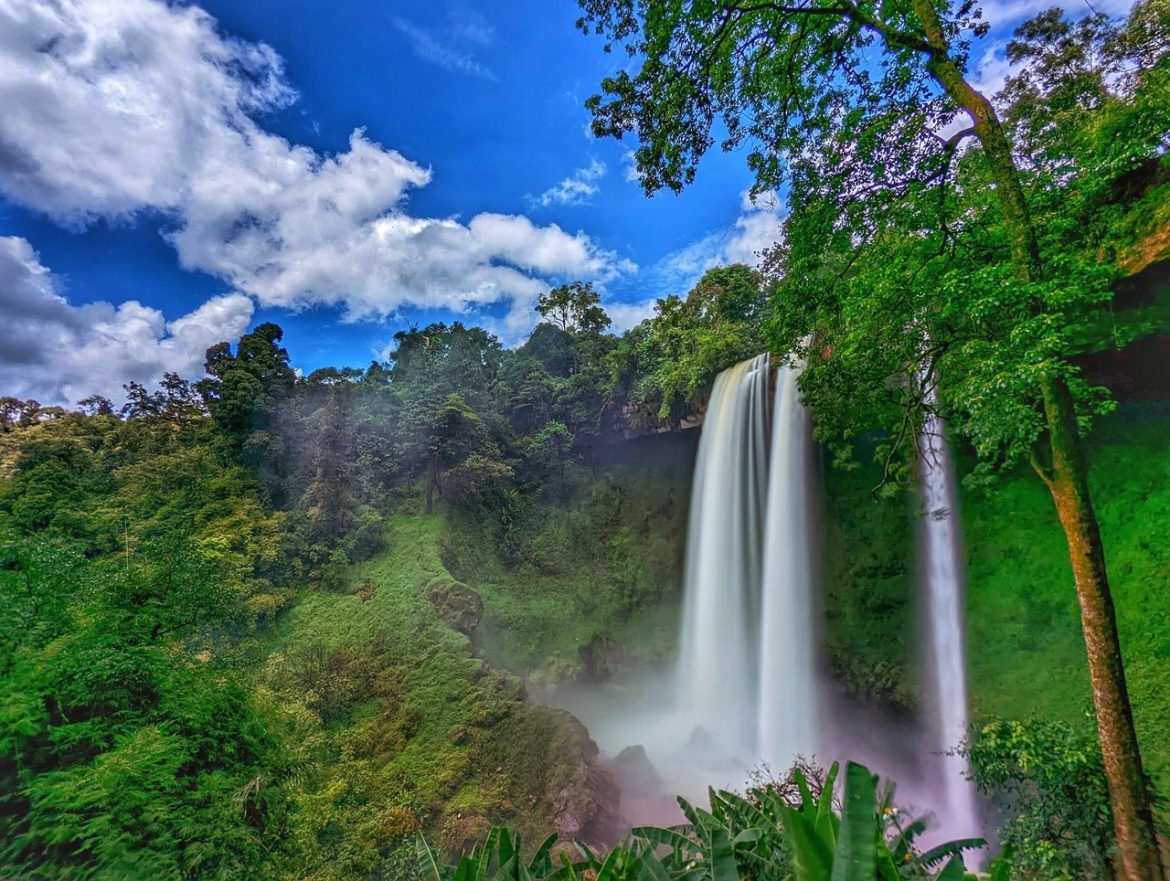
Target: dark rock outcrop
636	770
582	794
457	604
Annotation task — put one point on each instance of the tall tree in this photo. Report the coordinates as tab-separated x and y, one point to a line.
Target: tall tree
244	392
861	109
574	306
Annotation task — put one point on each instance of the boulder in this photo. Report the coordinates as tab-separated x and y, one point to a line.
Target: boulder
636	771
457	604
582	794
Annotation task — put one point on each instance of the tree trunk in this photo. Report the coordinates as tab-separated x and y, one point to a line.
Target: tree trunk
432	482
1129	794
1067	477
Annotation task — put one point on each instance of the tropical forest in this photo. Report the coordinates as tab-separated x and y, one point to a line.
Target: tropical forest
789	502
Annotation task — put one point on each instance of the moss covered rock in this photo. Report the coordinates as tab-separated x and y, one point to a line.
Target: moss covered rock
460	607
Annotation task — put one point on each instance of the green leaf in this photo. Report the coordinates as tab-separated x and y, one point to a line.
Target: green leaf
659	836
1001	869
856	855
827	823
812	860
722	857
428	863
541	862
954	871
950	849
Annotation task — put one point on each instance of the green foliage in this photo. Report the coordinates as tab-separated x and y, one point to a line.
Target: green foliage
775	832
1050	783
869	587
497	858
573	307
667	364
580	581
244	392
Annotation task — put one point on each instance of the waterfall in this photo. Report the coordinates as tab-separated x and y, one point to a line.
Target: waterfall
748	673
747	655
717	669
945	652
788	694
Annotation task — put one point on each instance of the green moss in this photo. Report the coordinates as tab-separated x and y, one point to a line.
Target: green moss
1026	652
869	580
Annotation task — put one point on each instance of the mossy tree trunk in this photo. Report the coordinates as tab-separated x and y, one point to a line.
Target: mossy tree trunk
1129	793
1060	462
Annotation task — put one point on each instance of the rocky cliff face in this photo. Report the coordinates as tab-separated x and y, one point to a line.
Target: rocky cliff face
1141	370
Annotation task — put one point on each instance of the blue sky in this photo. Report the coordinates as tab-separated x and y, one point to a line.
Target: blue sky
172	175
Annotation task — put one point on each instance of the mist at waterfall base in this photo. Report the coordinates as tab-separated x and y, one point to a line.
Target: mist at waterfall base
749	694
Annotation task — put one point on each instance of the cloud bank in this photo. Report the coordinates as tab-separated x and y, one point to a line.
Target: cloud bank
57	353
125	108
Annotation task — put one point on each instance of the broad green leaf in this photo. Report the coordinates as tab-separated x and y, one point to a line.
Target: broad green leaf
812	860
856	854
722	857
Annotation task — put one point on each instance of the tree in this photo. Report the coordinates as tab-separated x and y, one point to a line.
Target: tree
96	405
456	433
573	307
244	393
1047	782
844	102
15	413
690	340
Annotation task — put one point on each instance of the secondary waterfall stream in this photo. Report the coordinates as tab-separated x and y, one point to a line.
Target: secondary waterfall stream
944	639
787	702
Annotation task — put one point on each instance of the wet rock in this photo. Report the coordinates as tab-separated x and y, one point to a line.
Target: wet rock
582	794
636	771
701	742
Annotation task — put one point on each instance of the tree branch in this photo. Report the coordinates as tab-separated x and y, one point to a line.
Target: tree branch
847	10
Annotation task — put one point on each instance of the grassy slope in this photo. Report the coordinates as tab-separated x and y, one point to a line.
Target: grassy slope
424	732
1025	647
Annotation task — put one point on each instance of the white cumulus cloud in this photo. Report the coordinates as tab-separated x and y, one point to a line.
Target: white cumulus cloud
58	353
116	108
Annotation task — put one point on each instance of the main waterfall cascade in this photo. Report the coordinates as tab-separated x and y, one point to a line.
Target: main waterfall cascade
748	657
718	660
